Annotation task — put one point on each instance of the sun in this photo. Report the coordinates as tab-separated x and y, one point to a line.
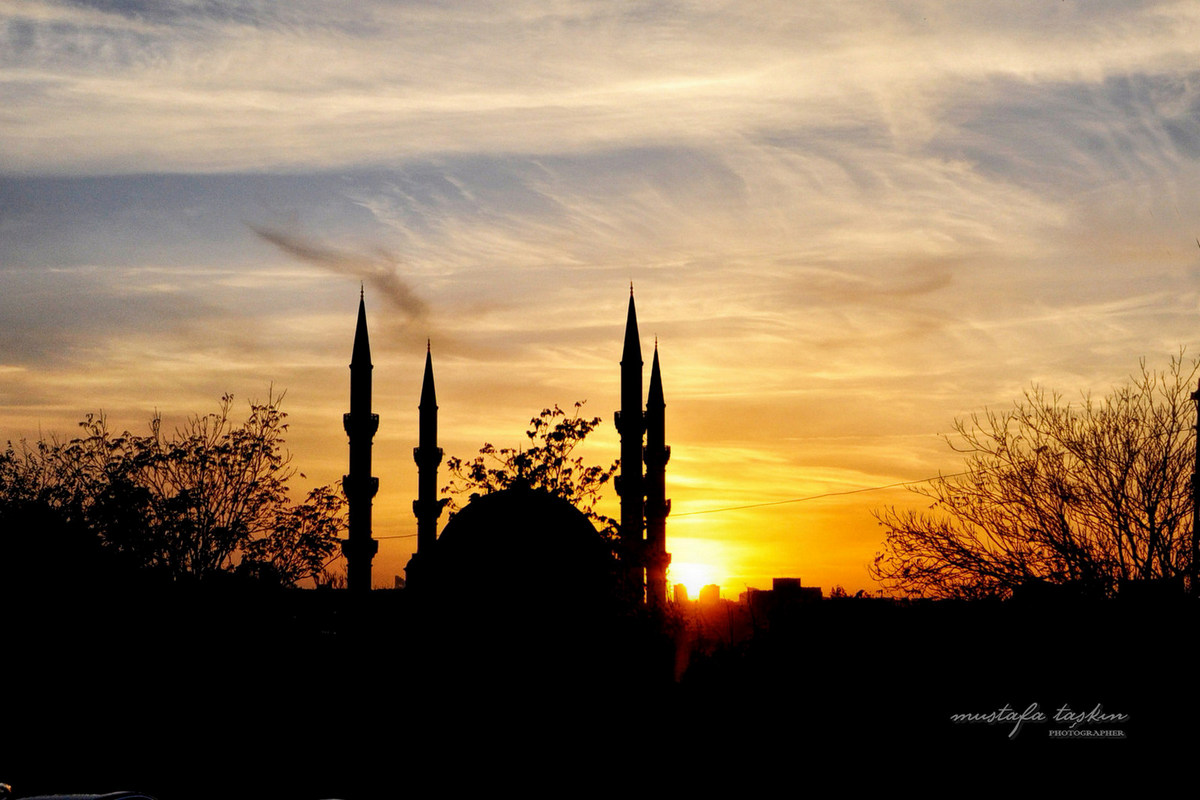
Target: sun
691	574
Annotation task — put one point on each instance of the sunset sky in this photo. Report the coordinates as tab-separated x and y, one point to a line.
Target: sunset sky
847	224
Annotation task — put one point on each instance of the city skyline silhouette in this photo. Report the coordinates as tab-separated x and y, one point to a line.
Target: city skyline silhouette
851	228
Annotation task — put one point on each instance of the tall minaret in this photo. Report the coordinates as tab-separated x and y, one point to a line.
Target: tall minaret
657	504
631	424
428	456
359	486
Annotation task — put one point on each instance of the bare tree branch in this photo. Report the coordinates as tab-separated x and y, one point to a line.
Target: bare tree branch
1090	493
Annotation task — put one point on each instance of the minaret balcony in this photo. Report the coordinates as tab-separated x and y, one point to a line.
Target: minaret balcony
427	456
428	508
656	457
618	418
353	548
352	485
658	560
350	423
658	509
619	482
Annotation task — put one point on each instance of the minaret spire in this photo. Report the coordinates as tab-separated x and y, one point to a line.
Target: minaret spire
427	507
359	485
631	424
657	505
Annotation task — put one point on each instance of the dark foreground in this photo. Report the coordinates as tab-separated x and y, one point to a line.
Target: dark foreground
189	694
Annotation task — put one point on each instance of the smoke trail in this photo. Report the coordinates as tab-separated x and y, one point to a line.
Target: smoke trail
379	269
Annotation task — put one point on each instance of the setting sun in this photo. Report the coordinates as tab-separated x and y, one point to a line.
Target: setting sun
693	575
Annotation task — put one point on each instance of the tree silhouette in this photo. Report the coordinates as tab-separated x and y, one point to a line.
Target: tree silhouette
1090	494
548	463
210	498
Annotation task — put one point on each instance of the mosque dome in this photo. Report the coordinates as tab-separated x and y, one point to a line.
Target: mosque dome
523	542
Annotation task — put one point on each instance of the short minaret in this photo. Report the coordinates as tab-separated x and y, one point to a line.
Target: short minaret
631	424
428	456
657	505
360	486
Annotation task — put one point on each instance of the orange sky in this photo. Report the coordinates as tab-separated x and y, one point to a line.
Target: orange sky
847	225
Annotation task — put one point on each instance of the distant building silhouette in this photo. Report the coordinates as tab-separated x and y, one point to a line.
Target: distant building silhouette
360	486
782	601
791	590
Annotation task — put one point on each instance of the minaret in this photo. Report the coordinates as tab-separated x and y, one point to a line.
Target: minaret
631	424
428	456
359	486
657	505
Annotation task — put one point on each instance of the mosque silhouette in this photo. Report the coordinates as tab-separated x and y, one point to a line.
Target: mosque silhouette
541	539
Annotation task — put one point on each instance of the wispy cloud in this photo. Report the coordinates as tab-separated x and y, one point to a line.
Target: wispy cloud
858	219
228	86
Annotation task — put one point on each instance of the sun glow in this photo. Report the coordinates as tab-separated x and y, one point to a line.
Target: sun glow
693	575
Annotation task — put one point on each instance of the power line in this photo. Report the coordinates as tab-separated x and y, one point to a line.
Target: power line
819	496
